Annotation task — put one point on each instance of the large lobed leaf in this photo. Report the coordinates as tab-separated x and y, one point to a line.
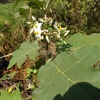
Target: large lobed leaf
72	76
26	49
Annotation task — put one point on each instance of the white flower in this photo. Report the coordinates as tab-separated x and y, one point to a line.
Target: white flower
28	22
31	30
45	17
47	38
39	36
36	29
58	36
66	33
33	18
61	28
41	20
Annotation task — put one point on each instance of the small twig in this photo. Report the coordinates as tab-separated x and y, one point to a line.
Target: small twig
6	55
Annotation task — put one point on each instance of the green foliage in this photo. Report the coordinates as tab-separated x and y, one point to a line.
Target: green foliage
10	96
69	75
27	49
7	17
77	15
32	3
80	40
58	77
8	24
38	7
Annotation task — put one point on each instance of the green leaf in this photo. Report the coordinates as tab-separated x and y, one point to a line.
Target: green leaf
72	76
18	1
10	96
35	4
26	49
39	2
80	40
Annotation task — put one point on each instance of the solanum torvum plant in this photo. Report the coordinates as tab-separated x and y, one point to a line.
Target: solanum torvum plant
45	28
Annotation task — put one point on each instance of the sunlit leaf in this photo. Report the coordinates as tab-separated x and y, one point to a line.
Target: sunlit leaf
80	40
26	49
71	76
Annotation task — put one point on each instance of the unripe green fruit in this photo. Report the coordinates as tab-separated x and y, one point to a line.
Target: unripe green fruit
35	71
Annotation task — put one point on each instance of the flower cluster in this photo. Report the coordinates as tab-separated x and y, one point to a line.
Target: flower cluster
46	28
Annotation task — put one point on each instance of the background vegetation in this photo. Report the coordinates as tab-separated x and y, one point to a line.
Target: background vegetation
49	42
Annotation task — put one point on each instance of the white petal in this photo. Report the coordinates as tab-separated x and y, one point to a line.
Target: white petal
33	18
41	20
47	38
66	32
28	22
31	30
